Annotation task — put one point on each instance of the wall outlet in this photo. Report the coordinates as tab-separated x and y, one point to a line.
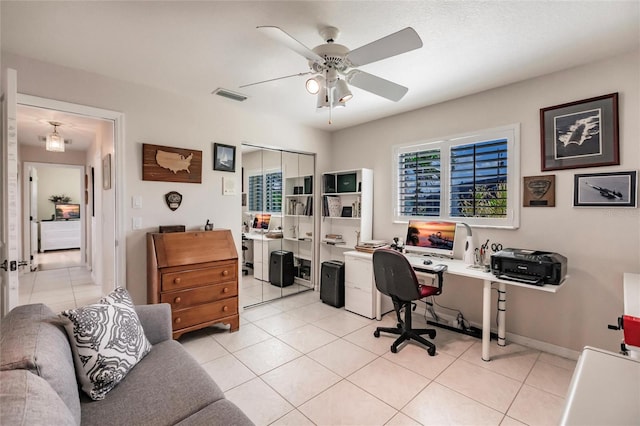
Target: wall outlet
137	222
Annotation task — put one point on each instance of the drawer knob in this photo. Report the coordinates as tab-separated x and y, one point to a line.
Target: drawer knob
225	308
225	273
177	280
178	320
177	300
225	290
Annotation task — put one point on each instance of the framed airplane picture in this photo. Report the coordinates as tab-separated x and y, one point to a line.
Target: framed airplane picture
614	189
580	134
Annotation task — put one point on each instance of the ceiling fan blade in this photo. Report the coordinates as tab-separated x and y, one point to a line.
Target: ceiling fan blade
386	47
282	37
277	78
376	85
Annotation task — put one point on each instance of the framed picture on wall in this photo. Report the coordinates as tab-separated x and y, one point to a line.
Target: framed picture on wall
580	134
614	189
224	157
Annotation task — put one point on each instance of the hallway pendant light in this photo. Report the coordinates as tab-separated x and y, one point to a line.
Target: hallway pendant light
55	142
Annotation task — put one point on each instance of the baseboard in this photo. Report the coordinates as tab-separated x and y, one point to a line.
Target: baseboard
451	322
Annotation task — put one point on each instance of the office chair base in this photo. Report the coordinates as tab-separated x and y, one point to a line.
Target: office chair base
415	335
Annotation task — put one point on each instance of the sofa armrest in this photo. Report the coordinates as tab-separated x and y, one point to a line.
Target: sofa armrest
156	321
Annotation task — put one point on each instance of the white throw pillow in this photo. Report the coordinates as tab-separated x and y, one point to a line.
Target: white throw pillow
107	341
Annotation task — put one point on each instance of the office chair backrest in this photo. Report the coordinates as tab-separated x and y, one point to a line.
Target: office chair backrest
394	275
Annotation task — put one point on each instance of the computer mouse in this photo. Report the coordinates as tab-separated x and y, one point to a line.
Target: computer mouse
427	262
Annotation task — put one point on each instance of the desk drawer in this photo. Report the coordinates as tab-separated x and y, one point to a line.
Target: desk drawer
182	318
197	296
359	302
199	277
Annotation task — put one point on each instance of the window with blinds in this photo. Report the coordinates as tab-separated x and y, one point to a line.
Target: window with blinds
478	185
419	183
265	192
472	178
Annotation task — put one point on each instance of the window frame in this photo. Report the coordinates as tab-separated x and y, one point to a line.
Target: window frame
509	132
263	174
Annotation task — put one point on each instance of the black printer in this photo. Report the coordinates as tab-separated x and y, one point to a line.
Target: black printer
529	266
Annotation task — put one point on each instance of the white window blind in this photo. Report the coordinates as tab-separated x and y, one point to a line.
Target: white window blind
472	178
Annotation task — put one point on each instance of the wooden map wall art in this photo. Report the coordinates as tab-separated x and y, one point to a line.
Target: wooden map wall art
167	164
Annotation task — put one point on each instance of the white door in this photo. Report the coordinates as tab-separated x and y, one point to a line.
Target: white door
33	218
10	226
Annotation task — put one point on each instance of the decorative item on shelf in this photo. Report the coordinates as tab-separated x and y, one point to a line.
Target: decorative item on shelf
613	189
308	184
370	246
333	239
539	191
329	183
334	206
208	226
168	164
298	190
347	212
60	199
346	182
173	200
224	157
580	134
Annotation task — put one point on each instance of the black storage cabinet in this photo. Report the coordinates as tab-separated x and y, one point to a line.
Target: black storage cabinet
281	269
332	283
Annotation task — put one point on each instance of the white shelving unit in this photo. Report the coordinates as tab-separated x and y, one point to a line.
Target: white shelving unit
298	225
347	210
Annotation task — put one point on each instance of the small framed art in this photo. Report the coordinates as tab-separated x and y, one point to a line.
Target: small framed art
224	157
539	191
614	189
580	134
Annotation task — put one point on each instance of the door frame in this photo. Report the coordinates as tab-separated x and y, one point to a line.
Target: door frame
26	204
117	166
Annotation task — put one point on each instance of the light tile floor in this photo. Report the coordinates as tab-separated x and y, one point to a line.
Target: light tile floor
297	361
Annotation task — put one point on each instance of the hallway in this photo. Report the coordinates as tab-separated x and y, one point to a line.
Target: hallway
59	282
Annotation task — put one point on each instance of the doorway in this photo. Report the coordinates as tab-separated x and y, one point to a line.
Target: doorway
77	264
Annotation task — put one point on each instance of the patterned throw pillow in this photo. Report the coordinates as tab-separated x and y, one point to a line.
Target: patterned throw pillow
107	341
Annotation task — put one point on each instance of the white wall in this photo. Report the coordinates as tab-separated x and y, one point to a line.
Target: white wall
600	243
57	181
164	118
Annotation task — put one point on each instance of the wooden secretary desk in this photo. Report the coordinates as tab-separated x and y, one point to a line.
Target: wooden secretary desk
196	272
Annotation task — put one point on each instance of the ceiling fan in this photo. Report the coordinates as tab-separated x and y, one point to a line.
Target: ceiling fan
334	66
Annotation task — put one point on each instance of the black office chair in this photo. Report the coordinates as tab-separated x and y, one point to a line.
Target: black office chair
396	278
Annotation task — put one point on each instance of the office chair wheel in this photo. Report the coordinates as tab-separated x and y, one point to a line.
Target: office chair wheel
376	333
431	351
394	349
432	334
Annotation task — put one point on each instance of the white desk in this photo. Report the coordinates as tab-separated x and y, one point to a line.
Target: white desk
604	390
262	248
458	267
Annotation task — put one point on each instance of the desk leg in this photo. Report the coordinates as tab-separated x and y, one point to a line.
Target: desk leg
378	304
502	310
486	320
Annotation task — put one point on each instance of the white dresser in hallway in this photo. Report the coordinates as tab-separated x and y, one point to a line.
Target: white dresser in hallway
58	235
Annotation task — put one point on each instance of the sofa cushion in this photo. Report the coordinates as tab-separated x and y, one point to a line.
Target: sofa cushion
31	338
220	413
107	341
27	399
165	388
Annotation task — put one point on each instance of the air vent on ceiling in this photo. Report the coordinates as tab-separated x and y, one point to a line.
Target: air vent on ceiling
229	94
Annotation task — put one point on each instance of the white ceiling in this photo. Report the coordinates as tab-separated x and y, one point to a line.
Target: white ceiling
193	48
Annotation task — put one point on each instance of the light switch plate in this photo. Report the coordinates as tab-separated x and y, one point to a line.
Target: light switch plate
136	201
137	222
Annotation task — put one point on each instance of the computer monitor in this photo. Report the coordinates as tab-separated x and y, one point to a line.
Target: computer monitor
67	211
431	237
261	221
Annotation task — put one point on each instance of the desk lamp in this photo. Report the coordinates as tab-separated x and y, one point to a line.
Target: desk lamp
468	246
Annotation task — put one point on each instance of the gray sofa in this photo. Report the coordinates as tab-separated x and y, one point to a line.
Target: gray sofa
38	382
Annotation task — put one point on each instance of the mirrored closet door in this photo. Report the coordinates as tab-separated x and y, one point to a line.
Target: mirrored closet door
278	223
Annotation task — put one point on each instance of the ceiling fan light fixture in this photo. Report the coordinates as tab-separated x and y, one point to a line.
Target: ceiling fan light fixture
313	85
54	142
342	92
